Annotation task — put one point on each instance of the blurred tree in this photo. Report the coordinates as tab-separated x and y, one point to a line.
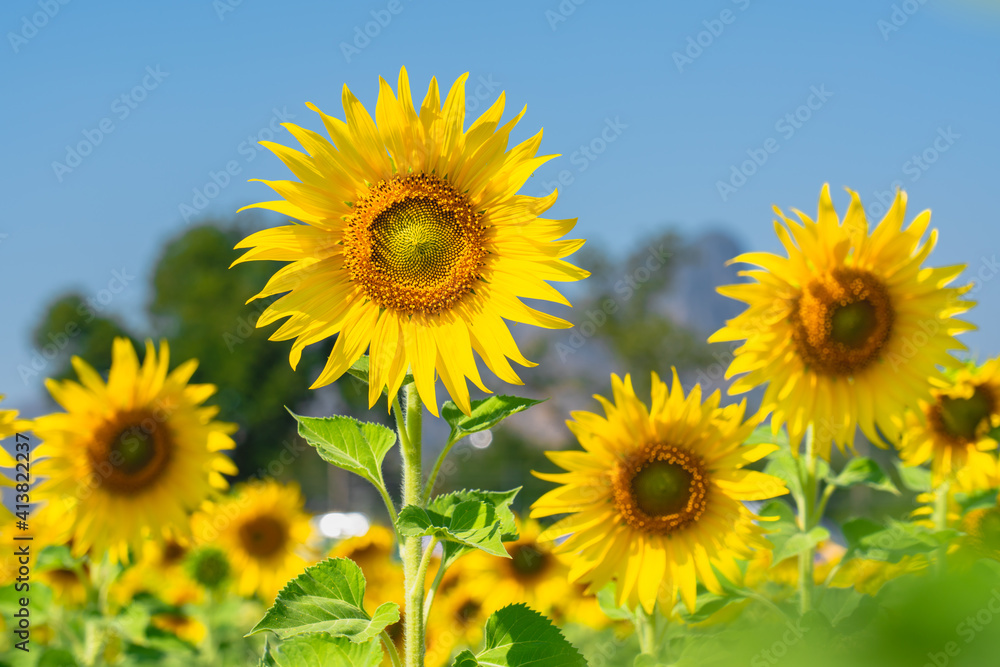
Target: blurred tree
199	305
71	326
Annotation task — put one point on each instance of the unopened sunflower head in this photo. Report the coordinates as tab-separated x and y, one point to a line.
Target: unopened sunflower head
655	497
411	243
847	328
133	456
958	427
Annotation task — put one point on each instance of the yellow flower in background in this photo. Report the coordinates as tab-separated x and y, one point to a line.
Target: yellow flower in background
46	527
655	498
868	576
264	530
134	455
159	570
957	429
183	626
9	425
414	243
982	528
533	574
845	330
375	552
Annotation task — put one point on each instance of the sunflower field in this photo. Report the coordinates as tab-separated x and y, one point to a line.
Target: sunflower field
331	491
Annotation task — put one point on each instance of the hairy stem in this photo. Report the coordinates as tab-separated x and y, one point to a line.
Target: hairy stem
409	436
808	519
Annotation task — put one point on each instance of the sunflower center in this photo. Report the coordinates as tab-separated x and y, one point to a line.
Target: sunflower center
959	419
468	611
415	245
842	321
660	489
527	561
263	536
129	452
172	553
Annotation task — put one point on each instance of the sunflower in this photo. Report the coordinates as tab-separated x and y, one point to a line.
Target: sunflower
655	497
982	529
958	426
533	574
159	570
264	530
134	455
413	243
846	330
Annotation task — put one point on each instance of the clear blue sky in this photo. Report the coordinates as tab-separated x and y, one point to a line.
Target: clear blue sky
208	79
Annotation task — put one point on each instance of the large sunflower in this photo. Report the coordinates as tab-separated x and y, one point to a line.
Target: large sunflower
264	531
957	428
414	243
846	330
134	455
655	497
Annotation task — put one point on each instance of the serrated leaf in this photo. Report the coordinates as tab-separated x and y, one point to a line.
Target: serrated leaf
360	368
862	470
499	500
517	636
914	478
320	650
485	414
327	597
471	519
783	465
358	447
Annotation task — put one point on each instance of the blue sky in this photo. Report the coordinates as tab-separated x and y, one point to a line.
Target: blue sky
651	104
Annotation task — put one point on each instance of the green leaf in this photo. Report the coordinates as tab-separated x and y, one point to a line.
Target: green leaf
915	479
705	605
321	650
57	658
606	601
469	518
57	557
485	414
347	443
838	604
516	636
762	434
994	433
499	500
785	535
798	542
359	369
327	597
865	471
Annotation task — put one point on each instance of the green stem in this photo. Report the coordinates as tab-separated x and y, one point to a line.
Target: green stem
432	479
429	601
823	501
645	627
390	648
941	520
409	436
808	518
